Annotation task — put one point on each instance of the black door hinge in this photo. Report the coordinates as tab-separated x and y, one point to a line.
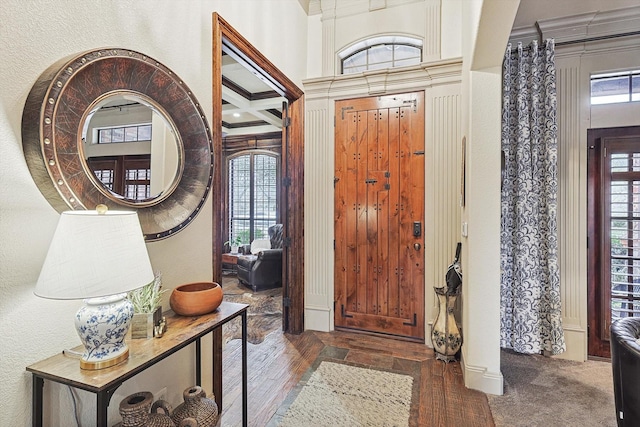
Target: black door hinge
344	313
286	302
286	122
415	321
286	181
286	242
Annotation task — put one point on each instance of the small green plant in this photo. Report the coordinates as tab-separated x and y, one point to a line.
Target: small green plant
235	241
147	298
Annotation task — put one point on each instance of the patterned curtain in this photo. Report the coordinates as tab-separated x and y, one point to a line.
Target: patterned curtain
530	305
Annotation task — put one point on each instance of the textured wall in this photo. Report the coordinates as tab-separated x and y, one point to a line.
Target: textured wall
36	34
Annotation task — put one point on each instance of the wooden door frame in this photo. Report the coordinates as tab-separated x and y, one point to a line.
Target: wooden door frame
227	38
594	232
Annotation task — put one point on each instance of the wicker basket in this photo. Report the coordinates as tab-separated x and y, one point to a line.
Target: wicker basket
135	412
196	405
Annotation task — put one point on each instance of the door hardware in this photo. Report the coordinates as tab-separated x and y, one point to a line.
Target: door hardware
417	229
415	321
343	312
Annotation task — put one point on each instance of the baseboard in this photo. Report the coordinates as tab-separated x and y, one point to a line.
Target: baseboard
478	378
318	319
575	339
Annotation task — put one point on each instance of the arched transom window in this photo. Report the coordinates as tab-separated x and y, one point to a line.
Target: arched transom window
381	52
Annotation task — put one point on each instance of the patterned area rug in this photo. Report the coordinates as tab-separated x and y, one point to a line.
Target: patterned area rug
264	314
342	394
542	391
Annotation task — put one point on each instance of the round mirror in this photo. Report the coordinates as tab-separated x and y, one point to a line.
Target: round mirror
131	150
76	99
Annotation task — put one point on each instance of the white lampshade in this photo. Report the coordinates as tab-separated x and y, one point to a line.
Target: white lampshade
95	255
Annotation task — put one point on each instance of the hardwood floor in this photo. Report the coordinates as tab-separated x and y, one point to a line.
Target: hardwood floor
276	365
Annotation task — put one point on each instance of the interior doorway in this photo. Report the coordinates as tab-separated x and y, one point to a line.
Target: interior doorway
228	41
613	225
379	215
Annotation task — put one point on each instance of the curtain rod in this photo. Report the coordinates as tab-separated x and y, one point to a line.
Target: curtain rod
585	40
593	39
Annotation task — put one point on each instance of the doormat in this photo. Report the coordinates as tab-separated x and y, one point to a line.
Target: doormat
338	394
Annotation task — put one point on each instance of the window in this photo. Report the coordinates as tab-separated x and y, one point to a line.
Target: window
133	133
128	176
381	52
253	195
615	87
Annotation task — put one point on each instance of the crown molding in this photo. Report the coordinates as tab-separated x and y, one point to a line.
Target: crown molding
582	26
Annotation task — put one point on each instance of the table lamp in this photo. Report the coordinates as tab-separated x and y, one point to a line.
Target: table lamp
97	256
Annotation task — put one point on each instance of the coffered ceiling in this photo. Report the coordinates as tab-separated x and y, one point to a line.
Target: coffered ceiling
249	105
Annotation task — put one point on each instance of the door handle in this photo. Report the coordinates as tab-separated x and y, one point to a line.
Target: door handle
416	246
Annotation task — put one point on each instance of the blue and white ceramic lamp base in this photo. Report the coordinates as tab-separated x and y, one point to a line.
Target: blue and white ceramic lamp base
102	324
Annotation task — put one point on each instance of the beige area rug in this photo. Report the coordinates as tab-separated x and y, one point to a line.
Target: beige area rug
338	394
264	314
543	391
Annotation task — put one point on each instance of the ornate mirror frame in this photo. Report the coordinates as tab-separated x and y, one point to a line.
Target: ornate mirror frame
52	123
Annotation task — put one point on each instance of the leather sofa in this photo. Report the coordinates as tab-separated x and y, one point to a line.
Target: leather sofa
263	270
625	361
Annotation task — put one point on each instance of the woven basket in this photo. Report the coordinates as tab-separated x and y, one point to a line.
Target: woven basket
134	410
196	405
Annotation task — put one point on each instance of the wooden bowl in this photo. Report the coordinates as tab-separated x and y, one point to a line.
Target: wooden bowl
195	299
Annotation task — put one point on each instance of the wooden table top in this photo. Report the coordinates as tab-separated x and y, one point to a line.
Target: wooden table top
181	331
230	258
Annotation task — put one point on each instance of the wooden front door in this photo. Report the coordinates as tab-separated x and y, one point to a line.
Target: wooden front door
613	223
379	215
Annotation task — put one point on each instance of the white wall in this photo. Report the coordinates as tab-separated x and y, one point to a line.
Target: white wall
461	98
34	35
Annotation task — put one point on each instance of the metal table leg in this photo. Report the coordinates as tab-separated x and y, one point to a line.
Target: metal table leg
37	402
244	369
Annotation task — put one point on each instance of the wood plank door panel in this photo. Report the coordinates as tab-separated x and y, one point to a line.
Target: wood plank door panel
379	196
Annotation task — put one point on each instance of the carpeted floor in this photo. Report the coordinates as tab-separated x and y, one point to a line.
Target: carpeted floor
264	314
543	391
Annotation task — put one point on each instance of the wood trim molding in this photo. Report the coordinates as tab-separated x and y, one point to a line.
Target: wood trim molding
227	39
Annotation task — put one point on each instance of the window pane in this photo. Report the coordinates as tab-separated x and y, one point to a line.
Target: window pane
625	162
105	177
239	187
252	209
356	60
625	248
118	135
405	52
104	136
144	133
379	54
131	134
635	88
610	90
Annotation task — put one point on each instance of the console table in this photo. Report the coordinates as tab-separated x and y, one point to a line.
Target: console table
144	353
